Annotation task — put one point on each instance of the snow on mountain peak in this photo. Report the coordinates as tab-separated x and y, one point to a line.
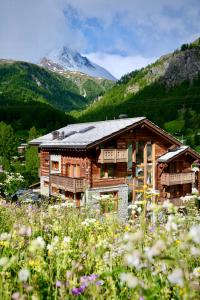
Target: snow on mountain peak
65	58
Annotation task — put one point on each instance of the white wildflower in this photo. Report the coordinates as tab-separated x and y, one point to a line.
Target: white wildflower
195	251
176	277
50	247
66	239
156	249
55	239
188	198
133	259
196	272
88	222
5	236
153	192
37	244
23	275
16	296
3	261
25	231
171	225
129	279
194	233
133	237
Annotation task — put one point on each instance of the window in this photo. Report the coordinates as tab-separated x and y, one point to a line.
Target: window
55	165
73	171
130	162
67	170
149	152
144	167
139	152
78	171
46	183
55	190
107	170
46	162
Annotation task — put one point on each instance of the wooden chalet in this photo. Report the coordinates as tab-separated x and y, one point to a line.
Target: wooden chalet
83	161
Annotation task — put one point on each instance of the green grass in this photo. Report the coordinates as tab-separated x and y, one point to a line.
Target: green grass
46	251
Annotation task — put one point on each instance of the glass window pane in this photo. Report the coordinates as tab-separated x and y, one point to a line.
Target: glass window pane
139	152
149	152
149	174
111	170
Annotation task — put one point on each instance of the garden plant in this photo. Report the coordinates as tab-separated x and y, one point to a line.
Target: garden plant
58	252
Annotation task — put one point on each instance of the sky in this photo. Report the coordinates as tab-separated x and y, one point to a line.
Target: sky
120	35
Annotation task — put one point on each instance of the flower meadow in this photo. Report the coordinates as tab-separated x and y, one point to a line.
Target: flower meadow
59	252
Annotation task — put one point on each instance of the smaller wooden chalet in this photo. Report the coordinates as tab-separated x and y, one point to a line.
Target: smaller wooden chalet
83	161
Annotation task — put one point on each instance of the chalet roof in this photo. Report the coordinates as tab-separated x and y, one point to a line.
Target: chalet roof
172	154
87	135
83	135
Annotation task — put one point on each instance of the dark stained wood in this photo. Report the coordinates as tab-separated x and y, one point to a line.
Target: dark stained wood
86	165
104	182
73	185
44	163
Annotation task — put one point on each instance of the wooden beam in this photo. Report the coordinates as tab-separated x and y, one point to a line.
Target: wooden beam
133	173
154	166
145	163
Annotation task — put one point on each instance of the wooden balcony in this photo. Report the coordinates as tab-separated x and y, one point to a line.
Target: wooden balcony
74	185
104	182
113	156
177	178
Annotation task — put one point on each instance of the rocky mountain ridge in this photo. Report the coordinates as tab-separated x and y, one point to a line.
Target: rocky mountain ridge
166	92
66	59
170	70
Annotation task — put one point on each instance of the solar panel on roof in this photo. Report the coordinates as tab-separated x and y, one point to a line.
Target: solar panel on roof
70	133
86	129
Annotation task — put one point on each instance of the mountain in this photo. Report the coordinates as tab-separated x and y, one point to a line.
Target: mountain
26	82
167	92
31	95
89	87
66	59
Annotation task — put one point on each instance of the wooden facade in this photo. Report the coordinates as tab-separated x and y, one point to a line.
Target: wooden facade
130	157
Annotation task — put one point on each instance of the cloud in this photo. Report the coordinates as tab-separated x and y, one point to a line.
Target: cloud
134	27
119	65
133	31
30	28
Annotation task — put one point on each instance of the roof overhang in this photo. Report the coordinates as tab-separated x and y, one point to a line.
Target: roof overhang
187	151
143	122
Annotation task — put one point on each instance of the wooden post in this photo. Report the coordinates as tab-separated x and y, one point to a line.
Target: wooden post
154	166
198	181
145	164
133	173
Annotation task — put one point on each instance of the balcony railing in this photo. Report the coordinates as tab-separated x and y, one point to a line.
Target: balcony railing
104	182
113	155
177	178
74	185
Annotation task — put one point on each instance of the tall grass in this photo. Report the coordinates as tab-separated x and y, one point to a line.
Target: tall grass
57	252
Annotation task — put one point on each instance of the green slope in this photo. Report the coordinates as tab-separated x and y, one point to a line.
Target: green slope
24	82
89	87
167	92
32	95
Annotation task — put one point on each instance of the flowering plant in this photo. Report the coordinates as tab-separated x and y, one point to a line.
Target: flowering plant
11	183
63	253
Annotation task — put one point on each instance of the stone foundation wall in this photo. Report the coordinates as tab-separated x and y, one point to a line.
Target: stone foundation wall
44	190
122	191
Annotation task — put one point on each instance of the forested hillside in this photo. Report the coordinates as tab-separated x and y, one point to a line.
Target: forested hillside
34	96
167	92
